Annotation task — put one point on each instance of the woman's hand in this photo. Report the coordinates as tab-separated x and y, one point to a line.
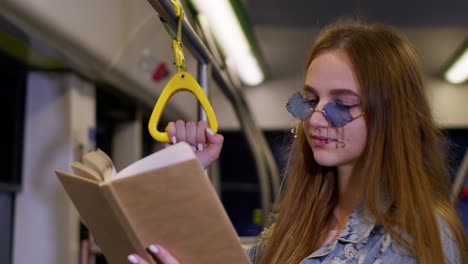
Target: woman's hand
204	142
157	252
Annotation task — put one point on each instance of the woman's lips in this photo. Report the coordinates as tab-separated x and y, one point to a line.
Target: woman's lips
319	141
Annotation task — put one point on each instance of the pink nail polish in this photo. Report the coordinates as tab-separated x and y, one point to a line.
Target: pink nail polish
210	131
132	259
154	249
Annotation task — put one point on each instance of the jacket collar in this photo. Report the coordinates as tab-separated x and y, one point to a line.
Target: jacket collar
360	224
357	229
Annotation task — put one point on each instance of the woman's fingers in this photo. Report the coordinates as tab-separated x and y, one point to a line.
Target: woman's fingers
201	137
191	134
158	253
212	150
180	131
172	132
161	254
209	145
204	142
136	259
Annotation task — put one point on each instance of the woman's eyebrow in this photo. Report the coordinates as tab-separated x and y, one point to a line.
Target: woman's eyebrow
309	89
340	91
343	92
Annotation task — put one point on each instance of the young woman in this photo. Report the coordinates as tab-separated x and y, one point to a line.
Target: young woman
367	182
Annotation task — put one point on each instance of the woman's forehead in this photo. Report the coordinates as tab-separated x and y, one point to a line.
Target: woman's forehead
331	71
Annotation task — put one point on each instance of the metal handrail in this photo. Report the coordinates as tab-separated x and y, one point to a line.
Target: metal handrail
266	166
459	179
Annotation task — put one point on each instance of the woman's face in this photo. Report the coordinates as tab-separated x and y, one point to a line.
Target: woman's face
330	78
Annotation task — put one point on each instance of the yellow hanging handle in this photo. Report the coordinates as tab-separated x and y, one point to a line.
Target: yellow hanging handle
181	81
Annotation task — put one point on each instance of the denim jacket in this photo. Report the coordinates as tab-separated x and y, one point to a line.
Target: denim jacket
362	241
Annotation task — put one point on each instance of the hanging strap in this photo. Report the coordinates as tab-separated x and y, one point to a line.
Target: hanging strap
181	81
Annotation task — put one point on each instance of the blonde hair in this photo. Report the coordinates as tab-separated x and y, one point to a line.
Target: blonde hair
401	163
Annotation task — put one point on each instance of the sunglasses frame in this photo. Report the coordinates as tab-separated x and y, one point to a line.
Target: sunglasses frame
330	105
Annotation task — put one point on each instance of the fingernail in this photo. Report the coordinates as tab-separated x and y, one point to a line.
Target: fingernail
154	249
174	140
210	131
200	146
194	148
132	259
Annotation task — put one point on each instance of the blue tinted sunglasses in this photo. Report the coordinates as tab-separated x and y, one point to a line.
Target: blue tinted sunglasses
335	112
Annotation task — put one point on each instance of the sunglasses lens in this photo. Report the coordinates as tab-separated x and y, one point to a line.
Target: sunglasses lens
305	111
299	107
337	114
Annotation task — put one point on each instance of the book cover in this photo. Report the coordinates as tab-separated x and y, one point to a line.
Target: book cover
164	198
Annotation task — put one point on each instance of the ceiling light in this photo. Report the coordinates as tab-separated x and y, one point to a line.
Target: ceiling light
458	71
228	32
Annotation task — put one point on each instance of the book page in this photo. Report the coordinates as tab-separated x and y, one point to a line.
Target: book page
98	161
110	170
84	171
170	155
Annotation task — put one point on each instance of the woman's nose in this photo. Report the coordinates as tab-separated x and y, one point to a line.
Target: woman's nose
317	119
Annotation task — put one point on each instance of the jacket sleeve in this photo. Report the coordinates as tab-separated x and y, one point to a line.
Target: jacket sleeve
252	252
257	251
449	242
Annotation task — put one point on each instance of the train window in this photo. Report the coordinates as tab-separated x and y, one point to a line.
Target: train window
240	191
13	79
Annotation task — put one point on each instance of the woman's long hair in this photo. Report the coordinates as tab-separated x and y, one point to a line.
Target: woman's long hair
402	163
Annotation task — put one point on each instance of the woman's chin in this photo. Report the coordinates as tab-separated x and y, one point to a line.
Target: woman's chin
326	161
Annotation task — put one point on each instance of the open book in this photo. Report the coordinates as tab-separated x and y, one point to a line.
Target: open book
164	198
